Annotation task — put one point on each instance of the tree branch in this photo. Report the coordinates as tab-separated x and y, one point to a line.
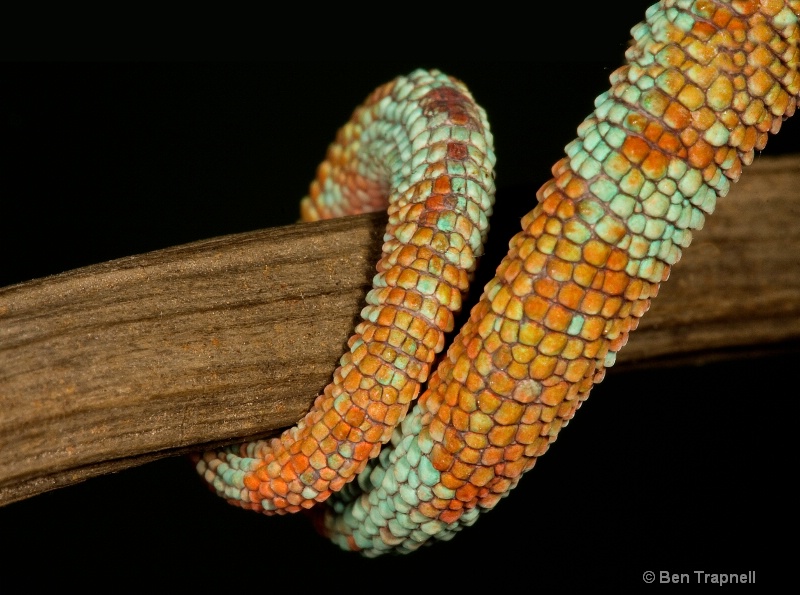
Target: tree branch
117	364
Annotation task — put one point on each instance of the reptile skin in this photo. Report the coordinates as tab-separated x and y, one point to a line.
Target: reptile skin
422	142
705	83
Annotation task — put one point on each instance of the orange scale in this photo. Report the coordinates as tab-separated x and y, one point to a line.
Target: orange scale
726	158
355	416
575	189
394	295
386	316
436	169
513	269
500	383
571	296
470	456
440	458
546	288
568	251
761	140
453	441
341	431
481	476
514	469
509	331
365	450
331	418
617	260
493	342
486	319
760	33
655	165
442	186
558	318
459	420
615	283
319	431
730	118
759	83
566	210
701	154
550	205
553	395
377	410
317	460
592	329
536	307
560	270
501	299
418	328
518	371
416	368
653	131
396	410
391	276
420	264
439	242
635	149
552	344
677	116
722	16
423	236
476	440
460	470
610	307
577	370
599	278
299	463
535	263
453	276
425	508
572	350
474	383
280	503
464	226
378	434
337	483
781	103
583	274
689	136
308	446
443	320
474	347
415	212
762	57
369	365
634	289
553	226
530	333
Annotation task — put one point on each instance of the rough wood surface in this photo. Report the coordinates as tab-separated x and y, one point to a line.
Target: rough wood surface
124	362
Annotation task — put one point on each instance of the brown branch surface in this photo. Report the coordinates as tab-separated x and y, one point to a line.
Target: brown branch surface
117	364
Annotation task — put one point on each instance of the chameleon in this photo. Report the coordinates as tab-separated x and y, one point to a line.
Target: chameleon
704	85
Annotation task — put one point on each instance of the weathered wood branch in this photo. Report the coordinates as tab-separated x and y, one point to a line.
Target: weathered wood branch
116	364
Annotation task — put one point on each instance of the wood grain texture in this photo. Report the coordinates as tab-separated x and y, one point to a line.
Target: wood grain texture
113	365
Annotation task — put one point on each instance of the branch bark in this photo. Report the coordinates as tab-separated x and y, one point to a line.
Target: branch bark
113	365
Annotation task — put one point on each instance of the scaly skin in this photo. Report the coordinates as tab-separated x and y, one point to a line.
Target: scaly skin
705	83
422	142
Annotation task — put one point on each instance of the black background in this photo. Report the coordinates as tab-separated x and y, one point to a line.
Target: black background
661	470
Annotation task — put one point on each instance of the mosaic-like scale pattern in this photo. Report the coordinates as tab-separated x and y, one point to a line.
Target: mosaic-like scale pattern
706	81
422	142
